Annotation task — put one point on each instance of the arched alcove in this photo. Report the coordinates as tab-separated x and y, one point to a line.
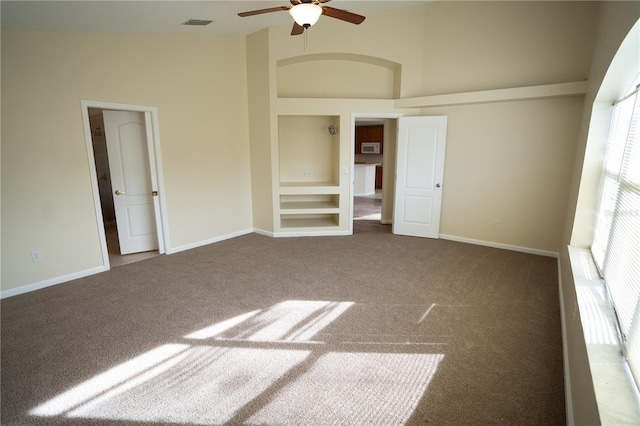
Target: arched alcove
338	75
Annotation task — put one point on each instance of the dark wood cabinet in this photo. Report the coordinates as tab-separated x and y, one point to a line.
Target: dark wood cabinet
369	134
378	177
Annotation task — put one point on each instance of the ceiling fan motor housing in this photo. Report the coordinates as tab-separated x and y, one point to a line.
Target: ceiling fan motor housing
306	14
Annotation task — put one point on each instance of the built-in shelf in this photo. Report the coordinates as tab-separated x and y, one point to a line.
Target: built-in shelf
306	184
310	203
308	193
309	221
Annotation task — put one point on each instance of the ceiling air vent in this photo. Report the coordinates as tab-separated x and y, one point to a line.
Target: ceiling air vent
200	22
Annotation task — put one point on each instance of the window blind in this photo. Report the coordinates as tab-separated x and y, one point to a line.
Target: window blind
616	245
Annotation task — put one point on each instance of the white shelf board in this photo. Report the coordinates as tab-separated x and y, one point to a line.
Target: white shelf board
308	223
309	206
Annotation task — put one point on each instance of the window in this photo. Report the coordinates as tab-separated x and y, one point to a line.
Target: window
616	245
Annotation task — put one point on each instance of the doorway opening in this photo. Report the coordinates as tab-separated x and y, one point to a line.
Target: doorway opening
132	212
373	157
413	172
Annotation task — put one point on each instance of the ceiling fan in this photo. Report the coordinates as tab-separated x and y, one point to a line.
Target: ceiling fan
305	13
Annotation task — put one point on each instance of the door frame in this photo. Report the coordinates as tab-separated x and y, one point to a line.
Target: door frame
155	160
354	117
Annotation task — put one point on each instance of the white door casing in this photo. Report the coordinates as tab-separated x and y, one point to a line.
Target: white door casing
131	178
419	176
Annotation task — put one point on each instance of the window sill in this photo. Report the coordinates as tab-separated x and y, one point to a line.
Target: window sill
616	394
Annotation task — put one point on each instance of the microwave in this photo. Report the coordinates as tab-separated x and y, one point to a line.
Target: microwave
370	148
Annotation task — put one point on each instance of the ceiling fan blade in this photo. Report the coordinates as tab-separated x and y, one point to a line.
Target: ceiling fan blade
261	11
343	15
297	29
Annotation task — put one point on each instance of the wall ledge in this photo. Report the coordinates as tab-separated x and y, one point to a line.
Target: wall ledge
496	95
616	393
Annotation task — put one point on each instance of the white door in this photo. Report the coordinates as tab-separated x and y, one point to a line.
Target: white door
130	168
419	174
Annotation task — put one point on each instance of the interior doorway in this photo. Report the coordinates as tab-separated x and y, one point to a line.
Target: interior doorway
119	220
373	158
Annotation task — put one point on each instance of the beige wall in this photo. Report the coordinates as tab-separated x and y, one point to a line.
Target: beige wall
510	162
198	85
344	78
470	46
260	129
393	35
307	152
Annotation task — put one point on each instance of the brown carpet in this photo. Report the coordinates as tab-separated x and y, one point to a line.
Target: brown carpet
366	329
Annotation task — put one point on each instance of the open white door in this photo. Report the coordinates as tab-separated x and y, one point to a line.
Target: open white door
419	174
130	168
154	181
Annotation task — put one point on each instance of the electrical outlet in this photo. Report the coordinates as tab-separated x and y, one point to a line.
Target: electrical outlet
214	220
36	256
306	173
496	224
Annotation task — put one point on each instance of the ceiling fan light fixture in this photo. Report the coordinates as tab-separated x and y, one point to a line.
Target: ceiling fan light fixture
306	14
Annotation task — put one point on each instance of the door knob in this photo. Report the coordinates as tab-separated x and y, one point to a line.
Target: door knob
438	185
118	192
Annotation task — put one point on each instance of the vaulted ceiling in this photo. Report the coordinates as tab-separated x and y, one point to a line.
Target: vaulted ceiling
158	16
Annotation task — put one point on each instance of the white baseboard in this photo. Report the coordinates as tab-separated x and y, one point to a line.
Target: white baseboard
312	234
209	241
65	278
48	283
500	245
263	232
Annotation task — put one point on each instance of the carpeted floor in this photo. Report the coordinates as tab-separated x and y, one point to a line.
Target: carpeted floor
367	329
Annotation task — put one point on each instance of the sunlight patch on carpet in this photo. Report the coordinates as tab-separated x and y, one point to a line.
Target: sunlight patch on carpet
208	386
259	367
354	388
221	327
291	320
152	361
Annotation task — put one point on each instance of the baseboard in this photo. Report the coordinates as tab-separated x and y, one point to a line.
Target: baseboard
386	222
263	232
65	278
312	234
48	283
209	241
499	245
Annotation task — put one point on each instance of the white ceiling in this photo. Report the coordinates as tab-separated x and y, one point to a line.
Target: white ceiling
161	16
